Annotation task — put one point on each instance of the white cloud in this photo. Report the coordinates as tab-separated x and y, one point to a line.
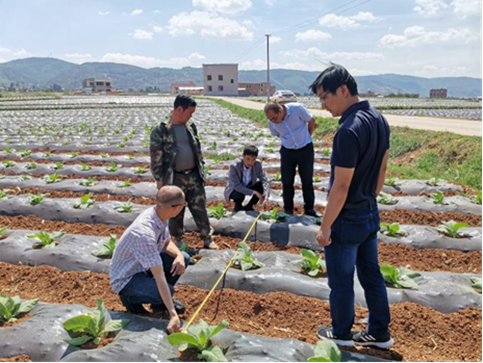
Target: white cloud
79	58
465	8
346	22
248	23
226	7
196	57
274	40
312	35
429	8
433	70
417	35
22	53
137	12
103	12
209	25
325	57
150	62
2	60
5	50
157	29
256	64
156	11
141	34
360	72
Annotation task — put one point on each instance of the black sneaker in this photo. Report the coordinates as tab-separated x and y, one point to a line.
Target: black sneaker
133	308
325	333
367	340
178	306
313	213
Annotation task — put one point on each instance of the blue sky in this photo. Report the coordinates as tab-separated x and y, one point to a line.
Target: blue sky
426	38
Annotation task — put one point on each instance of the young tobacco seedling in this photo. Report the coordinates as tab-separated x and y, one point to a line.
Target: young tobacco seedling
58	166
312	263
392	230
10	308
391	182
245	261
35	199
46	240
9	164
124	184
73	154
126	208
88	183
85	167
112	168
400	278
217	212
2	236
270	150
91	326
277	177
387	199
53	178
3	195
433	182
316	179
200	339
326	351
31	166
104	155
48	154
207	169
25	177
107	247
274	216
476	283
451	228
84	202
477	199
139	170
326	152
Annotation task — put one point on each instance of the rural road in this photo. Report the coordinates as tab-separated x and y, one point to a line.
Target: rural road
457	126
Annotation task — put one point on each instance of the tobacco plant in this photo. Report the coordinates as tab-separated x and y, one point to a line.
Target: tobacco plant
433	182
53	178
85	167
83	328
31	166
107	247
46	240
476	283
393	230
58	165
326	351
9	164
244	258
126	208
124	184
274	216
391	182
11	308
35	199
477	199
387	199
3	195
112	168
139	170
217	212
84	202
438	198
312	263
88	183
451	228
277	177
199	338
400	278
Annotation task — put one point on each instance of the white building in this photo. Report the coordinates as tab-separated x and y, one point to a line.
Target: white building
220	79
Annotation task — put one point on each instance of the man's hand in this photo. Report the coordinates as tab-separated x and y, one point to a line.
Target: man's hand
174	324
265	203
323	237
159	184
178	266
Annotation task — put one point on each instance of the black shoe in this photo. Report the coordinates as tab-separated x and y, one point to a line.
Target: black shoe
367	340
325	333
178	306
248	208
133	308
313	213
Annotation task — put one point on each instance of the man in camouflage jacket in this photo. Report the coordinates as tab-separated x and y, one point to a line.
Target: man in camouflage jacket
176	159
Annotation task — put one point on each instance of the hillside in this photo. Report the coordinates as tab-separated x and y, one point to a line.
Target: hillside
44	72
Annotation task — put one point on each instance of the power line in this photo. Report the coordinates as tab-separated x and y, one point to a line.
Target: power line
250	49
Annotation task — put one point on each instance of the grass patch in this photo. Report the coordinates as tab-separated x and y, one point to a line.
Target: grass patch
219	157
29	94
415	154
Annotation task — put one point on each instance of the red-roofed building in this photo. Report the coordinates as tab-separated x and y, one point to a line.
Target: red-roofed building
176	86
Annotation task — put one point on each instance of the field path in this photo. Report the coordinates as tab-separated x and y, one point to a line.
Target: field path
457	126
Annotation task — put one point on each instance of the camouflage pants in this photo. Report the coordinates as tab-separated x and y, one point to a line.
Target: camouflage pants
192	186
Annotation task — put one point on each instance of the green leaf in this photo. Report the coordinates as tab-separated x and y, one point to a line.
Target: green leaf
408	284
213	354
77	323
223	325
102	313
180	338
115	325
314	272
28	305
459	225
7	305
79	340
245	265
326	351
476	282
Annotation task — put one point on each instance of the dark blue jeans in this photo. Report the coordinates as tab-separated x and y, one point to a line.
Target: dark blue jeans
354	244
142	288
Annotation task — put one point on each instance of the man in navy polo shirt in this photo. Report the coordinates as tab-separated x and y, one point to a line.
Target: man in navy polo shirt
294	125
351	221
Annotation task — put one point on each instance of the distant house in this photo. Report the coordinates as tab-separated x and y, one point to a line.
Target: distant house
97	85
194	91
56	88
438	93
176	86
257	89
220	79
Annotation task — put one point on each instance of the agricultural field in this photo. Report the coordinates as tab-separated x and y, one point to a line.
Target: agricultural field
446	108
74	174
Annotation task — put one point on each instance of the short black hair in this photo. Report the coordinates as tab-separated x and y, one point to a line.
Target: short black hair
332	78
184	101
250	150
273	107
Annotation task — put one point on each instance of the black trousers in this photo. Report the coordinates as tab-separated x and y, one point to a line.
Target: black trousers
239	197
303	159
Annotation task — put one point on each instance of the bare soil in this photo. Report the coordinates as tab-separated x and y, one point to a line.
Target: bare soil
105	340
420	333
78	176
90	163
88	152
17	358
20	319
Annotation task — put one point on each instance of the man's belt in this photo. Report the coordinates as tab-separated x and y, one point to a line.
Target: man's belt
185	172
364	204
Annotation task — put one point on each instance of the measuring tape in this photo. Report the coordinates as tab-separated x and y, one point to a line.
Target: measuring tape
219	280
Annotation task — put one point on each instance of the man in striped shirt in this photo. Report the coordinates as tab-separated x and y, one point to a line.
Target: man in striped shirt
147	264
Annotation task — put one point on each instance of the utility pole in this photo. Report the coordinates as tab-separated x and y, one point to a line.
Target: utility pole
268	66
158	83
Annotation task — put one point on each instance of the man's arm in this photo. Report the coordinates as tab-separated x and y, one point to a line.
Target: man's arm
311	126
162	284
178	263
382	173
337	198
155	149
272	128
